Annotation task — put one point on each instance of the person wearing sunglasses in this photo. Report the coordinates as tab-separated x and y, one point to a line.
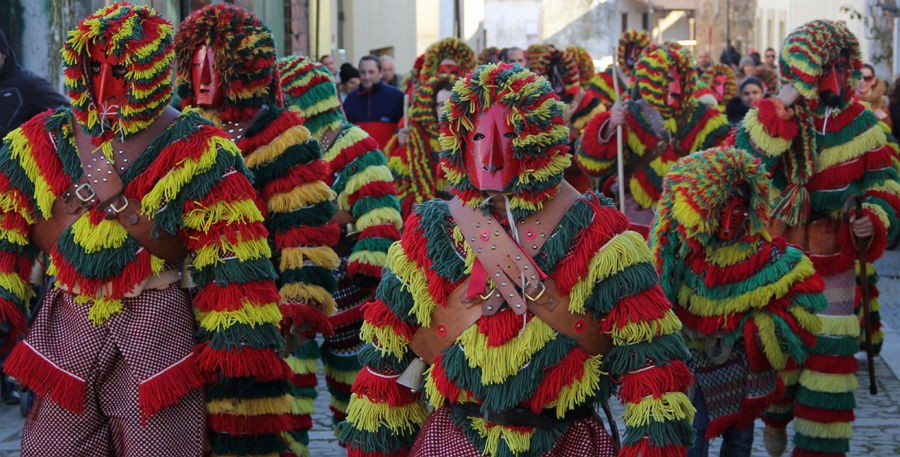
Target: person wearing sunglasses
871	92
769	60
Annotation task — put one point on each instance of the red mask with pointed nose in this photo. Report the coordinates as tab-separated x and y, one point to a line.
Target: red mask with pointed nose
732	217
448	67
719	87
206	80
107	78
833	82
675	90
489	151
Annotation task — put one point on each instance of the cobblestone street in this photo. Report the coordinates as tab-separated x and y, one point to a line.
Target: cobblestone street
875	429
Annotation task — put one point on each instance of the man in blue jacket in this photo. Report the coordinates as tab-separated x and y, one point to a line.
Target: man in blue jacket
375	107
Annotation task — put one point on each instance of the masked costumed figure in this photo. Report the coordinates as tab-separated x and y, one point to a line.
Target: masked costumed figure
628	52
226	67
119	190
747	301
490	54
662	122
368	213
413	151
447	56
510	376
822	150
717	86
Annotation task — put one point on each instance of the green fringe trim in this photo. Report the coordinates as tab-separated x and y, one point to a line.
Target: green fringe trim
309	274
315	215
824	400
102	264
622	359
373	244
384	441
632	280
370	356
358	166
828	445
225	444
562	239
366	204
232	270
239	335
296	154
843	346
340	362
396	297
445	261
541	441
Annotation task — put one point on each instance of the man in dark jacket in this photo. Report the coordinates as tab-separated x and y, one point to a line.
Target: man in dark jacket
22	93
375	107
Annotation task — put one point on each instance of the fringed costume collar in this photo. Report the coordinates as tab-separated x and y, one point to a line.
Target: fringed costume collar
308	88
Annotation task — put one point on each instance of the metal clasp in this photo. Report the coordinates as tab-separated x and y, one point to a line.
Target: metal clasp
540	293
112	211
81	188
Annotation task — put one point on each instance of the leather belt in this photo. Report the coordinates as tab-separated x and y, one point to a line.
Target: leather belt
524	417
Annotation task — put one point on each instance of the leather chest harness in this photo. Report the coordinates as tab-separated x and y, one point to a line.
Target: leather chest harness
101	188
516	279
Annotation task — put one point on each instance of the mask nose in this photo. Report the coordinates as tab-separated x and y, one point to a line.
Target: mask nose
829	82
104	91
494	157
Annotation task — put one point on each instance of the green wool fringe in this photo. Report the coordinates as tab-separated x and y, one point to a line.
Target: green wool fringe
660	434
622	359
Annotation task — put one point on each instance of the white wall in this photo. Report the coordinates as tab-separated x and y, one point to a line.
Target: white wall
373	25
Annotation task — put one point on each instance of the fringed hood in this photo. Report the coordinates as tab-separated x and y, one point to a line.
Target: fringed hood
584	62
144	39
244	55
448	48
813	45
696	188
637	38
720	69
490	54
537	115
560	70
308	88
652	77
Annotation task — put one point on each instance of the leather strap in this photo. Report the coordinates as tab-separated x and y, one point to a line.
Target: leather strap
105	193
544	300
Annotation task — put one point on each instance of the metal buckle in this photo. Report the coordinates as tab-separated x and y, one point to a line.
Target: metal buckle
486	296
112	211
540	294
81	188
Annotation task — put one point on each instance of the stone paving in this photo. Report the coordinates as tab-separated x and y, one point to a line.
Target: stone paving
875	430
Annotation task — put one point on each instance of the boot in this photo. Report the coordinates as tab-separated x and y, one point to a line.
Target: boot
775	440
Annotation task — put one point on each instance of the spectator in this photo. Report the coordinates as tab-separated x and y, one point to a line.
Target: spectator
730	56
871	91
704	61
23	94
894	106
348	80
757	61
329	63
746	68
769	60
375	106
751	90
514	55
388	74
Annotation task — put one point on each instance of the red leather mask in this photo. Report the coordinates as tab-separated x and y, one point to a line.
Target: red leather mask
675	90
719	86
833	83
205	78
107	79
632	54
449	67
732	217
489	151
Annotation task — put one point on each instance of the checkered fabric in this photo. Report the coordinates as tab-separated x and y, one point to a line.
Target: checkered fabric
112	359
440	437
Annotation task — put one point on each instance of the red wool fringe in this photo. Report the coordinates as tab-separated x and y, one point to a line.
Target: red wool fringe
501	327
649	305
305	316
590	140
351	153
45	378
358	268
380	231
304	380
351	452
346	317
378	314
573	267
773	124
644	448
168	386
263	364
568	371
379	389
267	424
232	297
373	189
442	382
298	175
655	381
321	235
824	416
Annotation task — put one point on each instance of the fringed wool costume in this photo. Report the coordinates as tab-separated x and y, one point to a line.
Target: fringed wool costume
490	54
718	82
288	172
602	86
111	352
507	360
819	158
362	182
656	134
747	303
415	165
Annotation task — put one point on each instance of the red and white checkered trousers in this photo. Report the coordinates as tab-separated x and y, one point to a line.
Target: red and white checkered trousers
154	329
441	437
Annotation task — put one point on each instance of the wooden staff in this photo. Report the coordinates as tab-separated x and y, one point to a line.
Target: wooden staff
619	147
861	245
405	111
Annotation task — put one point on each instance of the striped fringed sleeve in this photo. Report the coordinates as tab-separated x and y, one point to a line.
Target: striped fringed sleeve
236	303
767	131
290	175
602	88
384	417
593	157
17	212
365	189
620	282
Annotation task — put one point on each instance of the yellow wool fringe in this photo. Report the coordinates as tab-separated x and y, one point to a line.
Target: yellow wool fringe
389	342
620	252
638	194
20	148
321	256
500	362
368	416
807	320
827	382
767	336
822	430
250	407
302	405
371	174
645	331
856	147
839	325
379	216
766	144
730	255
300	197
297	448
671	406
248	314
101	308
301	366
238	211
579	390
555	167
310	294
107	234
168	187
14	284
518	442
413	281
343	377
212	254
369	258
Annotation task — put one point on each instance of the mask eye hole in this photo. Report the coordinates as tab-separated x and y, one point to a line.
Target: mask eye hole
478	136
95	67
119	71
510	135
